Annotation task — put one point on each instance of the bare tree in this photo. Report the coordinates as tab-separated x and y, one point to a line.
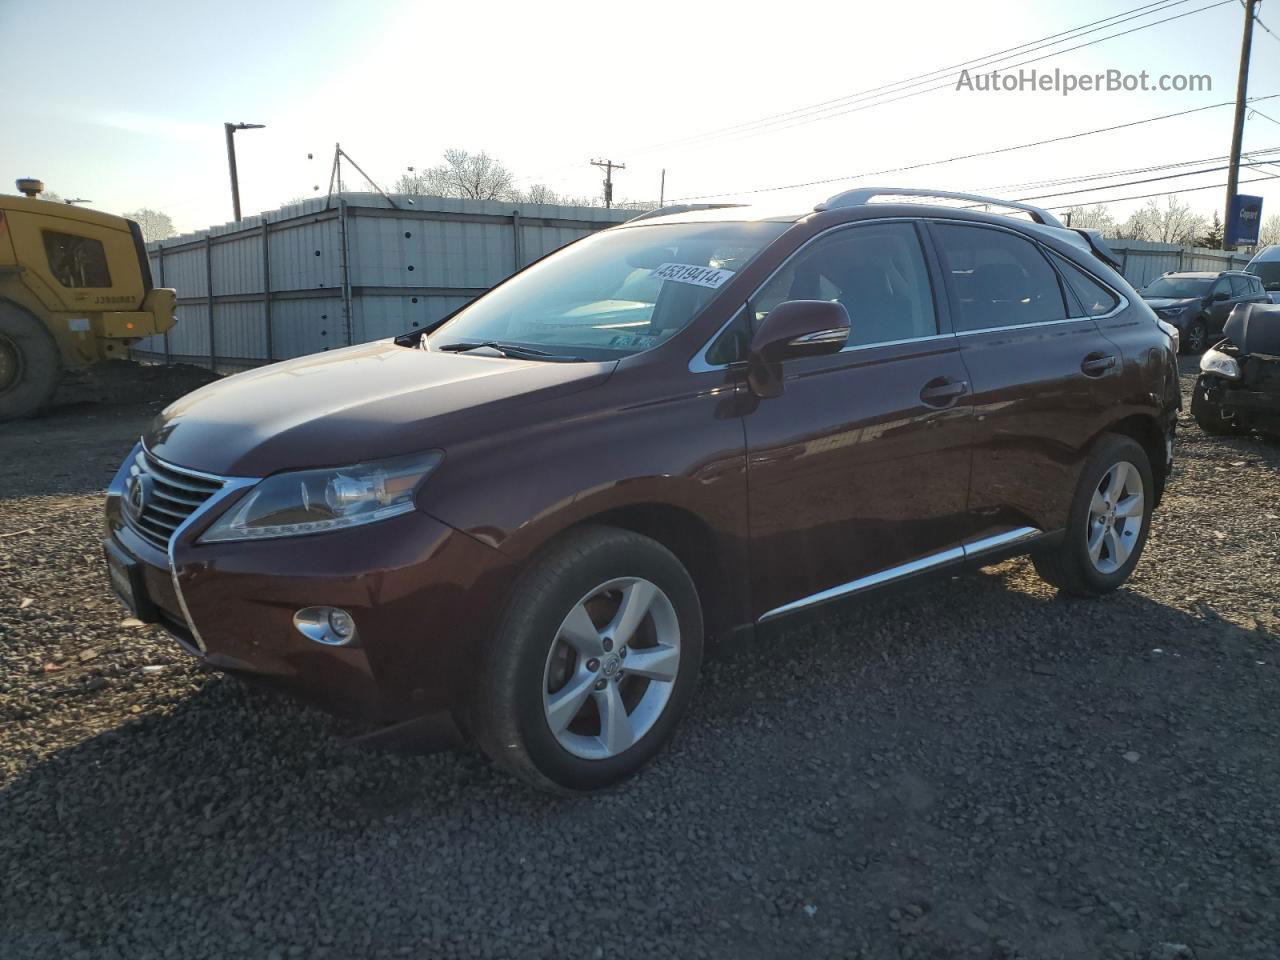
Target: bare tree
1270	231
476	176
1174	223
155	225
1097	217
538	193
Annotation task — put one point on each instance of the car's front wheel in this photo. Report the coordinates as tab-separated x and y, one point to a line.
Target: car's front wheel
1108	522
594	663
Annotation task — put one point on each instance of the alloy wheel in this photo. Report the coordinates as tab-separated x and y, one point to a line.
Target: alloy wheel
611	668
1196	338
1116	514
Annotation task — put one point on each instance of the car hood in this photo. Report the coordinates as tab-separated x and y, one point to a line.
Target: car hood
360	403
1163	303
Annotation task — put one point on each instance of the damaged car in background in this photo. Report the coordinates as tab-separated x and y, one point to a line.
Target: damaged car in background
1238	389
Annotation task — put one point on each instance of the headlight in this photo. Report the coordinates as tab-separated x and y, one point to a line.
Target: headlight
1169	312
1171	332
315	501
1215	361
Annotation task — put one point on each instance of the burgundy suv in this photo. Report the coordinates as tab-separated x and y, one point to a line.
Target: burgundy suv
517	527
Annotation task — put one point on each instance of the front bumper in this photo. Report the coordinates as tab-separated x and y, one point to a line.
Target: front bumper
424	597
1239	403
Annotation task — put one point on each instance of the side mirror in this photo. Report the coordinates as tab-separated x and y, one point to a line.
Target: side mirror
1220	296
795	328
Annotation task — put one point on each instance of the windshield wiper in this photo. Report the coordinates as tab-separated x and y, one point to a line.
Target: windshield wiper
512	350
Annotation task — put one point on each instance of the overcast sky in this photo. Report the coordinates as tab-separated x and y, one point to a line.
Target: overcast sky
123	102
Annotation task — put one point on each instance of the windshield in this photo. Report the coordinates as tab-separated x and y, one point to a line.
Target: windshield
1178	287
612	294
1268	271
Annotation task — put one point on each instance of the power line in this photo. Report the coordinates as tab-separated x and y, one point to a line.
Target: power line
1258	20
1167	193
826	114
884	89
970	156
1037	184
1132	183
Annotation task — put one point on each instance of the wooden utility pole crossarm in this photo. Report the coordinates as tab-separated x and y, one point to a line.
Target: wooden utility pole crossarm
608	166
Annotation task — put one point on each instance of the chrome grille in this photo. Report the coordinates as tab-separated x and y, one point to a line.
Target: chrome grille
158	497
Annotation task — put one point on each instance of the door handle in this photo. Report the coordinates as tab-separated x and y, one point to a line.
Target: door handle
943	391
1096	364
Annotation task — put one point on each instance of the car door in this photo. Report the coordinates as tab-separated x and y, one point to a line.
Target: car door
1219	306
1044	377
858	472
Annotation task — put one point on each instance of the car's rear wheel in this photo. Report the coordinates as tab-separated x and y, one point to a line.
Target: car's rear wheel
1197	338
30	366
594	663
1107	524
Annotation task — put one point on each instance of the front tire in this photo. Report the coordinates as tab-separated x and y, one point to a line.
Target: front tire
1208	415
1107	524
593	664
30	366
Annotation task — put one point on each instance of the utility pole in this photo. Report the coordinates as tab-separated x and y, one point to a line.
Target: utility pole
1237	131
608	166
662	188
231	129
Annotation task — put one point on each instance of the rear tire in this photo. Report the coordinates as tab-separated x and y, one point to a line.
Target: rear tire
30	365
1102	542
578	690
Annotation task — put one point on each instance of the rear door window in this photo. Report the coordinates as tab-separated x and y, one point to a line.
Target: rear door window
1240	287
997	278
76	261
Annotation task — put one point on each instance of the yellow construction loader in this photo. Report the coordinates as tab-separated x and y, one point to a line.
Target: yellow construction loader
75	292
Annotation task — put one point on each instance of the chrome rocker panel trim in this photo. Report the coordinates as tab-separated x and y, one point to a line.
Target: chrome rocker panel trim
902	571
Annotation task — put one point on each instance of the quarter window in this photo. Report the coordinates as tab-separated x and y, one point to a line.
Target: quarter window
998	279
876	271
76	261
1093	298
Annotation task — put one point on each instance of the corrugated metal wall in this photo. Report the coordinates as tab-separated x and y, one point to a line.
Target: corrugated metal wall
346	270
1143	260
353	268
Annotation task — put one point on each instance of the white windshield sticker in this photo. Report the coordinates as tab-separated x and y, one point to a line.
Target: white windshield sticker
691	273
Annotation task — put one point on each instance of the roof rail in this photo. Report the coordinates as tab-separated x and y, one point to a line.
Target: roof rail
862	195
683	208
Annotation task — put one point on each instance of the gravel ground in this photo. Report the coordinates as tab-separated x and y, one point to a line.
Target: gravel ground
971	768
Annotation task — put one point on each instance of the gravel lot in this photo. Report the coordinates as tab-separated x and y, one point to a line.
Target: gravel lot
971	768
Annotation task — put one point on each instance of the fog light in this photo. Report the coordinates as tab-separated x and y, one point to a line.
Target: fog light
331	626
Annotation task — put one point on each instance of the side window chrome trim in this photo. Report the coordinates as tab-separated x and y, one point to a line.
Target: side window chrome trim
699	364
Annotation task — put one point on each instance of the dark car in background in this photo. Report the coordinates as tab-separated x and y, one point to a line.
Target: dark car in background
1198	304
1266	267
517	526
